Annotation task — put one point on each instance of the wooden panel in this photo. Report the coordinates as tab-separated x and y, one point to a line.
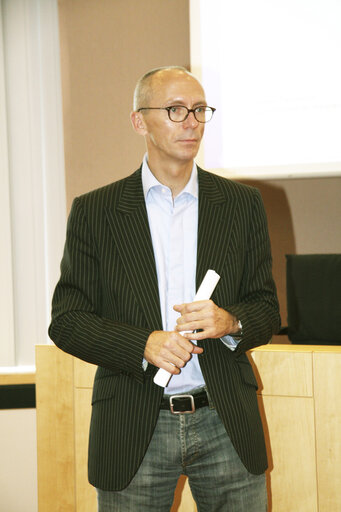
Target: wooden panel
273	347
183	500
9	379
283	373
63	415
55	430
290	422
327	371
86	497
84	374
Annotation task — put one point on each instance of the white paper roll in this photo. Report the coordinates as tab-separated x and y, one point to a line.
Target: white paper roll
204	292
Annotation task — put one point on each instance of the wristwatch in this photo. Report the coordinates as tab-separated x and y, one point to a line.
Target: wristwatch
239	333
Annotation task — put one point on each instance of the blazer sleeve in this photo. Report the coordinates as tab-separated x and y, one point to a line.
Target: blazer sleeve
257	308
77	325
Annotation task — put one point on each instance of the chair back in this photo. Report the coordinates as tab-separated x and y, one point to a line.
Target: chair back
314	298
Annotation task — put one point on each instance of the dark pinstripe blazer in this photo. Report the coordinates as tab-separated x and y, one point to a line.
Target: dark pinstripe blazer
106	304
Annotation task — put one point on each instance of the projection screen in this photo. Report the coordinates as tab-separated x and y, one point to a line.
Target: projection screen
272	68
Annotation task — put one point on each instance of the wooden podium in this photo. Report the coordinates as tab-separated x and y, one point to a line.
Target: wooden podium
300	402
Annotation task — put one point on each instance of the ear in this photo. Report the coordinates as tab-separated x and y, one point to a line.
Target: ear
138	123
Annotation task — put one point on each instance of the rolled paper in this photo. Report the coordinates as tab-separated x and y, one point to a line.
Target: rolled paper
204	292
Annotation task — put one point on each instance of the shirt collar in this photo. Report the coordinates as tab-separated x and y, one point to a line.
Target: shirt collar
149	180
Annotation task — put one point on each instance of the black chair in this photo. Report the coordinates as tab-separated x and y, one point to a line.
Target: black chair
314	299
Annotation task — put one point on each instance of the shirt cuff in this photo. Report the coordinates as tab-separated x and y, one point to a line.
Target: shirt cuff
230	342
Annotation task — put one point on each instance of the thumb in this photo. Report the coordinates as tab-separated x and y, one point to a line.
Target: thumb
197	350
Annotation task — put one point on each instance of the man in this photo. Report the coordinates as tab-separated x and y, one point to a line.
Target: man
135	253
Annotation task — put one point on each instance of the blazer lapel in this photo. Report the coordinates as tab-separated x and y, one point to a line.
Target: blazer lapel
129	225
216	217
130	228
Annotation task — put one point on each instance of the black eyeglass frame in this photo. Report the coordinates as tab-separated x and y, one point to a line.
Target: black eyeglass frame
189	110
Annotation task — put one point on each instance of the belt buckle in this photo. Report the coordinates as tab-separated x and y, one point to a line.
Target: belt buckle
182	412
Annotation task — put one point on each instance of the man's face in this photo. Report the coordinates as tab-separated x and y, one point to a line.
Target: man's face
169	142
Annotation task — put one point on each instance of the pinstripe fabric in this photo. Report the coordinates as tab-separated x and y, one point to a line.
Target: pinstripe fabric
106	304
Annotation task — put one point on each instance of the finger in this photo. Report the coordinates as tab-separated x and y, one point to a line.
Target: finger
187	317
205	312
171	362
180	362
200	335
197	350
177	347
178	307
194	349
171	368
189	347
166	358
188	328
189	307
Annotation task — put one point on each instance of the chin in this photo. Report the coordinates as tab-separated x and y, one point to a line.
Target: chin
190	152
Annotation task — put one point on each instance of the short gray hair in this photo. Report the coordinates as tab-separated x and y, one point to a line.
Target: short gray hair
142	93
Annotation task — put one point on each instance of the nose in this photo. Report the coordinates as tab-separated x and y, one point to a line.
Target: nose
191	120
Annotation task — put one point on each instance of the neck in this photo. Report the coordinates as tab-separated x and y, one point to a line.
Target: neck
173	176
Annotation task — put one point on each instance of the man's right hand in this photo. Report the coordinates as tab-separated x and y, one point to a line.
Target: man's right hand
169	350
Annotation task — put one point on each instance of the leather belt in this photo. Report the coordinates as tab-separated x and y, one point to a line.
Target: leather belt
184	404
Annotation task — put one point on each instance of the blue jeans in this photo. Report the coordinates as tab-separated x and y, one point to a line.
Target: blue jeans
195	445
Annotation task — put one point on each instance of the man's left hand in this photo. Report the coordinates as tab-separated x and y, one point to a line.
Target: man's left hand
207	318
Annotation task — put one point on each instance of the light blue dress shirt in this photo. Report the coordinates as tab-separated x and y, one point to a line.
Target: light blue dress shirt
174	226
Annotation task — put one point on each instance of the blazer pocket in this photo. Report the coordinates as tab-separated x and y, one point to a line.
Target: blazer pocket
246	372
104	388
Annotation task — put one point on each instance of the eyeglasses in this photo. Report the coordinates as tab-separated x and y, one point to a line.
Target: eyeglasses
178	113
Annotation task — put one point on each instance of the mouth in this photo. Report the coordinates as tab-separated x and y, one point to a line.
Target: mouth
188	141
